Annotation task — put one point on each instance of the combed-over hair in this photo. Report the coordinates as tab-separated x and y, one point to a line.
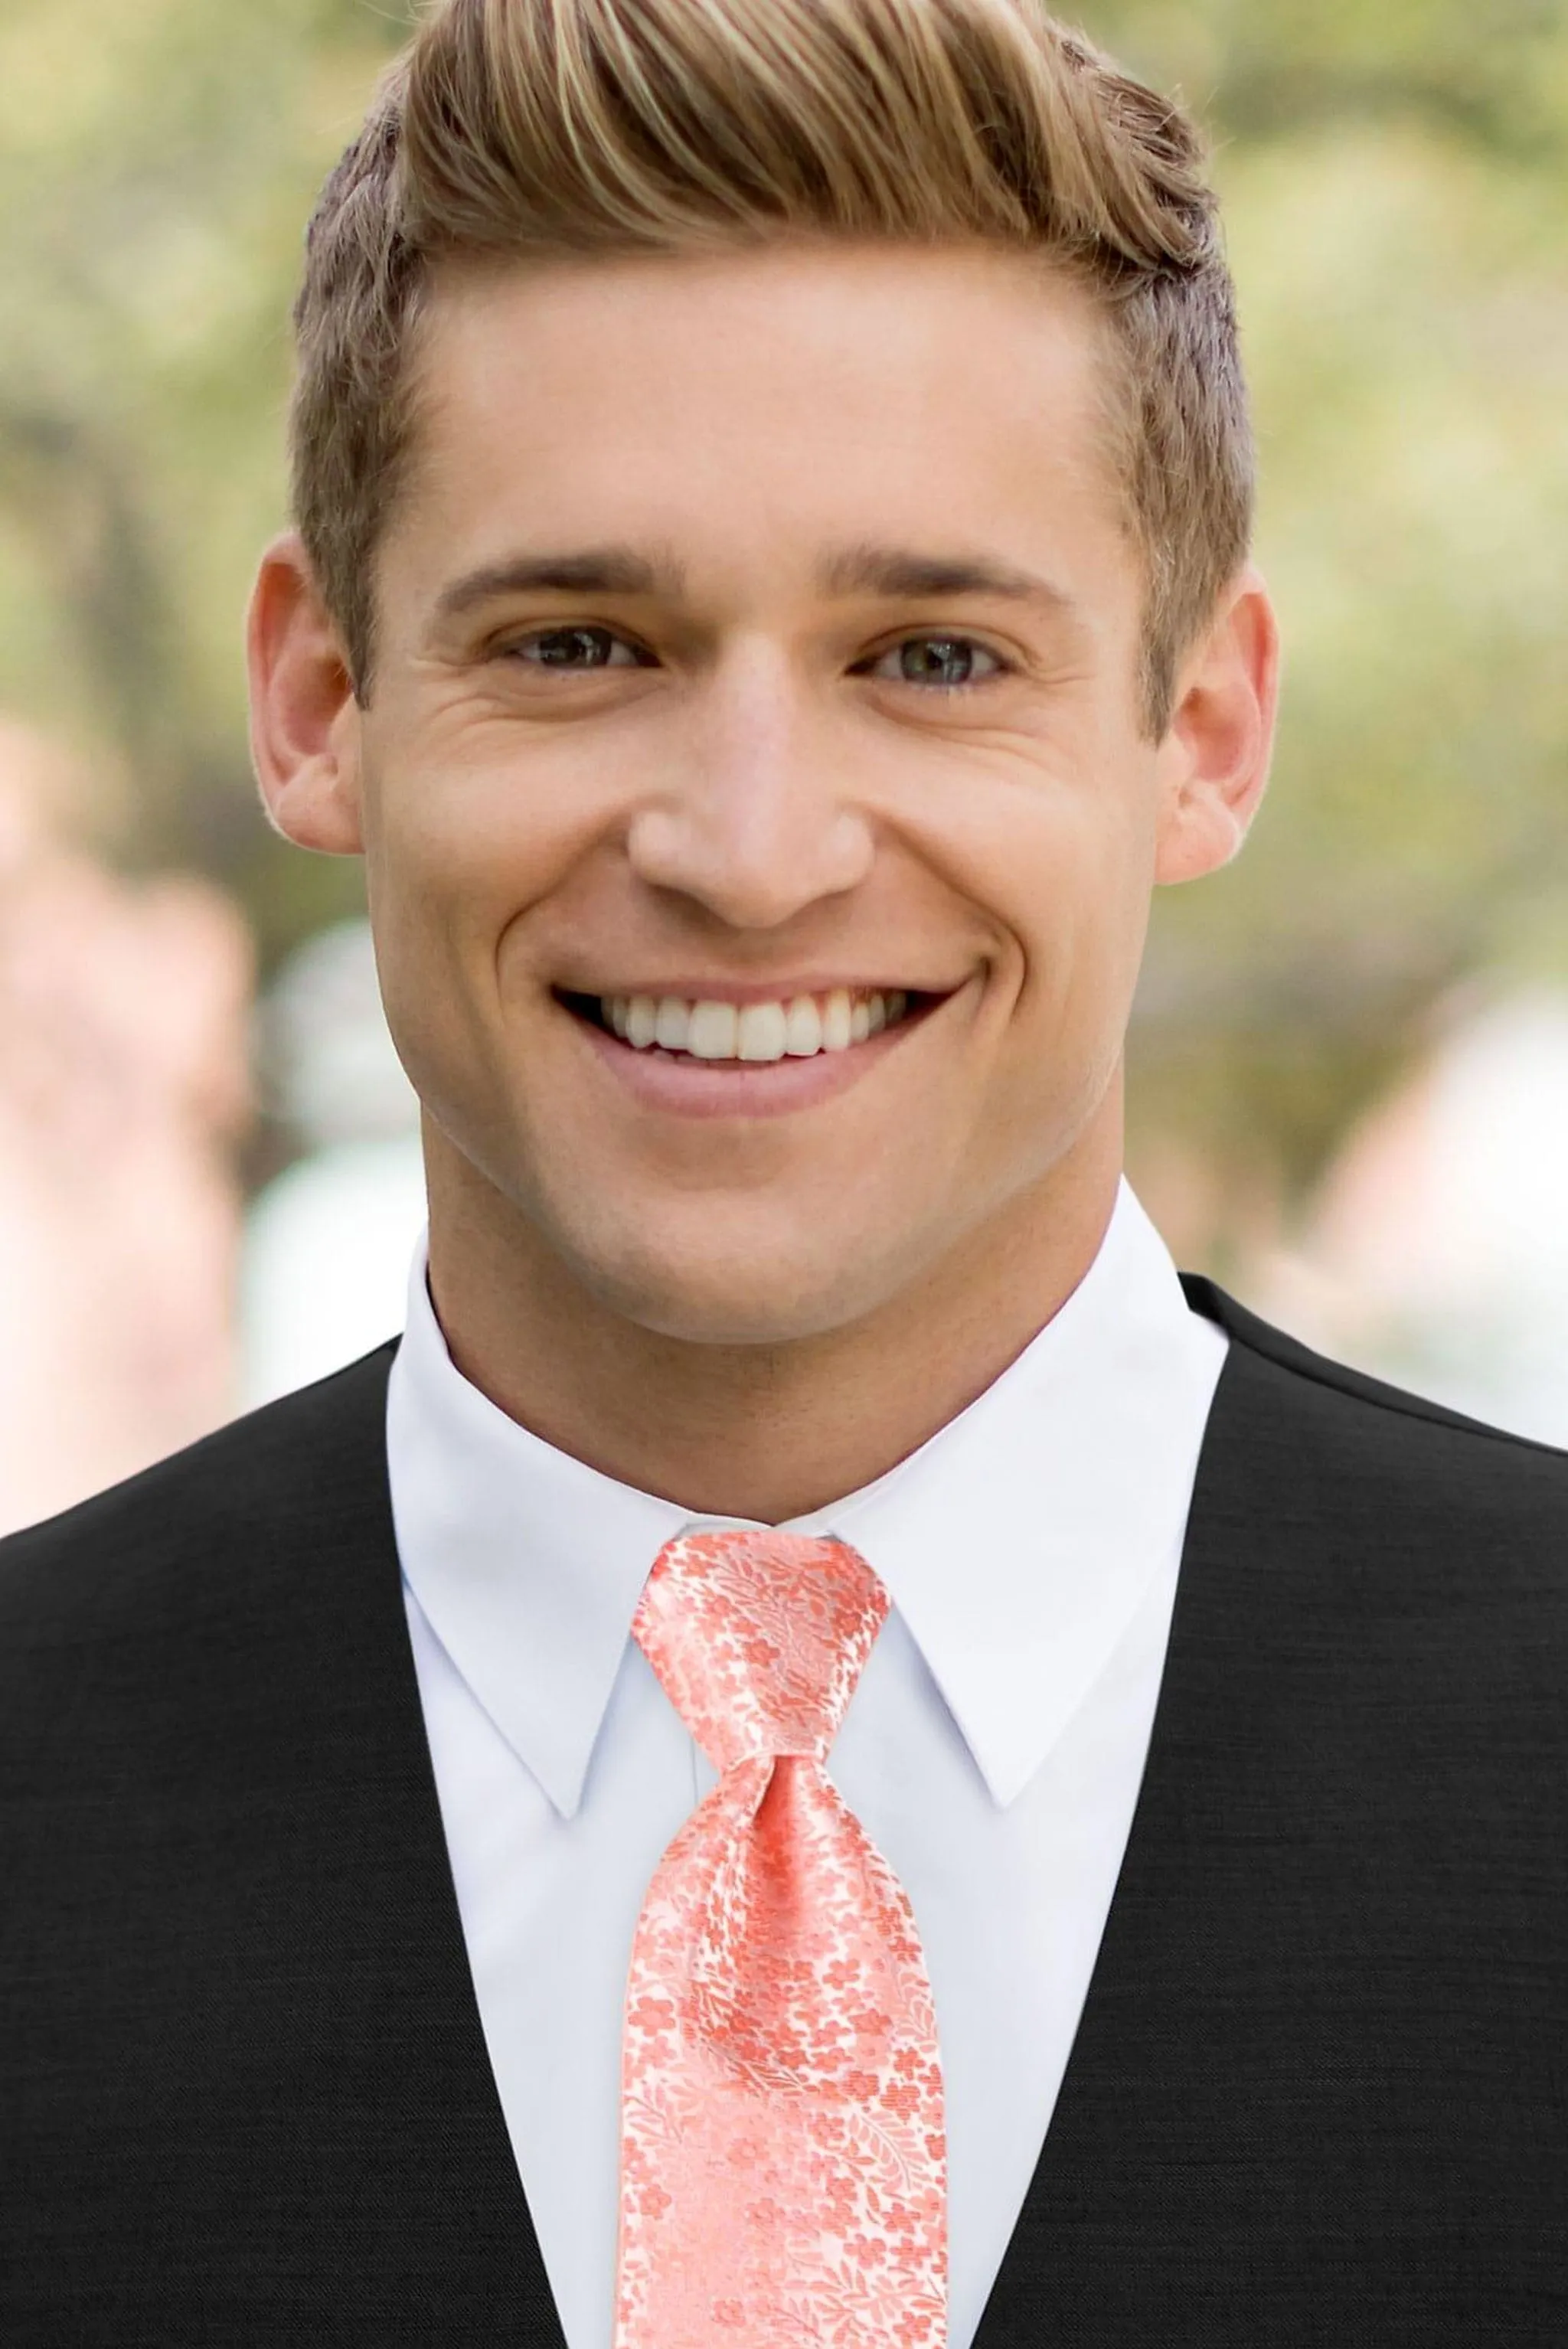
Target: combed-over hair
552	128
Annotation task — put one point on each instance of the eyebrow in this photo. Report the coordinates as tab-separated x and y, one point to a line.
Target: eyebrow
904	573
899	573
593	571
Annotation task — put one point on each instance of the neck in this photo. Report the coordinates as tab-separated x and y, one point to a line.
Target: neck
764	1433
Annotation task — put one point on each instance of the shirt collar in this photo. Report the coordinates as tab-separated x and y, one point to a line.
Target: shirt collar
1017	1544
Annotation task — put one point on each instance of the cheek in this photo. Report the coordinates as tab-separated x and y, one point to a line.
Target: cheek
1063	863
1077	912
463	844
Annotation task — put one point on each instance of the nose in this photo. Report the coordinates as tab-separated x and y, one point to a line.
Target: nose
757	820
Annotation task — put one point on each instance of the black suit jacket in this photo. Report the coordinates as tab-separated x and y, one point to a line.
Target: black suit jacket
1318	2095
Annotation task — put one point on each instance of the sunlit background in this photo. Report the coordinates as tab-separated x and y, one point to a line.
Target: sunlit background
1350	1082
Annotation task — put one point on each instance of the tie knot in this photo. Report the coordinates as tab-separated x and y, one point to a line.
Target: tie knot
760	1637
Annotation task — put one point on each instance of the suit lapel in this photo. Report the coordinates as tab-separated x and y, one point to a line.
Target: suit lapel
1116	2207
427	2157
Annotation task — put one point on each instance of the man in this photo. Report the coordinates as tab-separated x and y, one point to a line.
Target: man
822	1753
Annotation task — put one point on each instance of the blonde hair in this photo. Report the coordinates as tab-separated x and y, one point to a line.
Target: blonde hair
552	128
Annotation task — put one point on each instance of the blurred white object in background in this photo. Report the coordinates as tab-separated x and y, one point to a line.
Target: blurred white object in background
325	1256
1438	1253
123	1086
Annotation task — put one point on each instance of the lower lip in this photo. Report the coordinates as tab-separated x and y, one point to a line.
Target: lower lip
690	1088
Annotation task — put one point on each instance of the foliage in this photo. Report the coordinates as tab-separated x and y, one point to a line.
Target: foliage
157	165
1397	197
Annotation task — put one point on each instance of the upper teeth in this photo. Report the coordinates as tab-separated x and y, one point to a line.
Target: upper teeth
710	1031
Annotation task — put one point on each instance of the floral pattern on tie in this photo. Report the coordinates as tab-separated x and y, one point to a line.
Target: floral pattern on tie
783	2159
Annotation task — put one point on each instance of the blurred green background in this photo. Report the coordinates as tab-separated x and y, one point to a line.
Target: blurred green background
1396	181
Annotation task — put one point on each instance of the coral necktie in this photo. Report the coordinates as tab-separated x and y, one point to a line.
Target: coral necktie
783	2158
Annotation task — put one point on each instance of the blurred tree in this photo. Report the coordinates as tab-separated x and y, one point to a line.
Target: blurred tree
1396	197
157	165
1396	202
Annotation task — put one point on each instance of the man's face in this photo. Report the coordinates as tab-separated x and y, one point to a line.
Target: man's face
757	632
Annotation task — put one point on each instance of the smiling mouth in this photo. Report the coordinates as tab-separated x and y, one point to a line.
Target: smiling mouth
797	1027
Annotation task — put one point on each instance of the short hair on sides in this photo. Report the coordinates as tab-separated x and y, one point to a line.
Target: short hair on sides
548	129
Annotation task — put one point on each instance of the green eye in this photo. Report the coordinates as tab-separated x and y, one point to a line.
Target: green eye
947	662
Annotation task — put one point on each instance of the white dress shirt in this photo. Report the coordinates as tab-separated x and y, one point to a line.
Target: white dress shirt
993	1750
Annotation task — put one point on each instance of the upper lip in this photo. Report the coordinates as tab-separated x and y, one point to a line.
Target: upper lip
740	992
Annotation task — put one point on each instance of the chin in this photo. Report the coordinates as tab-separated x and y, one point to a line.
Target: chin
741	1296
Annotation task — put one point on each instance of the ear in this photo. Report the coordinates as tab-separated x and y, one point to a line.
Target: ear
304	721
1214	760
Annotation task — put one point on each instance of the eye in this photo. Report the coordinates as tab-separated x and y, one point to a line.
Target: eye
946	662
574	648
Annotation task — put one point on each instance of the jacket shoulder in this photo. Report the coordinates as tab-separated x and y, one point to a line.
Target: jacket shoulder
1314	1447
232	1506
1261	1338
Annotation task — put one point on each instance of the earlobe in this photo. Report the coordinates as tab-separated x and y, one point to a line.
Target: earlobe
304	722
1215	756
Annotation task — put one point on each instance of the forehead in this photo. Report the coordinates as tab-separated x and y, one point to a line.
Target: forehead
790	395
